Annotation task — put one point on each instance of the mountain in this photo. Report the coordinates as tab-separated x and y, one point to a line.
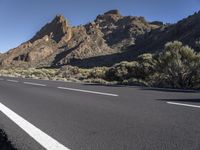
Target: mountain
187	31
109	39
56	43
122	31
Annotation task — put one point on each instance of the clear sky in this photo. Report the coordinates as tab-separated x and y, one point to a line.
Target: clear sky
21	19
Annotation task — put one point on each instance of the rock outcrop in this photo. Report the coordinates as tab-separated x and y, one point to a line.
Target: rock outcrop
57	30
121	32
109	39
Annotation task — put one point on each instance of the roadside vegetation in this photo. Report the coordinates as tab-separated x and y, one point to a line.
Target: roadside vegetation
177	66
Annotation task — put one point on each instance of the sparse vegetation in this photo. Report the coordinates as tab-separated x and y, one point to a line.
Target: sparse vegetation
30	73
177	66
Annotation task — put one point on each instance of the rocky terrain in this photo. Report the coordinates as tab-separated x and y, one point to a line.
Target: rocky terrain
109	39
187	31
58	44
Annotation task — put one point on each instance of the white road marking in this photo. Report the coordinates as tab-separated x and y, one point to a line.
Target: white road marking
37	84
86	91
12	81
1	79
181	104
42	138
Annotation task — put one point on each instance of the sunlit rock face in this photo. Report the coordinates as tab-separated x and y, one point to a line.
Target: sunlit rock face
109	39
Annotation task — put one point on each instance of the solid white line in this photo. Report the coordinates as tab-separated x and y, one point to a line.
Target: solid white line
12	81
86	91
42	138
31	83
181	104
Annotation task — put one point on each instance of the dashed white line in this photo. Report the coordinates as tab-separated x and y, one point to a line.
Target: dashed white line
182	104
86	91
42	138
37	84
12	81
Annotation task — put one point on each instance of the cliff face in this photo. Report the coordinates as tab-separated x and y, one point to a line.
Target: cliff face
110	38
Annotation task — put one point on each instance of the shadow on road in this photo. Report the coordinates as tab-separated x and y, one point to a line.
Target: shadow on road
109	85
115	85
171	90
145	88
182	100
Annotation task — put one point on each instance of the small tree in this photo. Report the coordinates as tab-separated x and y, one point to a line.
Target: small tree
178	66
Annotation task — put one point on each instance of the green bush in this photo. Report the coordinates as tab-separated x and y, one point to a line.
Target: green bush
178	66
140	69
97	73
146	67
122	71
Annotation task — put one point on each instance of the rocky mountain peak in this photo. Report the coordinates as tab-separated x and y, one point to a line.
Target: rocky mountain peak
55	30
59	18
108	17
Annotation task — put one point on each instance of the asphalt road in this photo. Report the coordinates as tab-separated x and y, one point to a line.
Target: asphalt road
93	117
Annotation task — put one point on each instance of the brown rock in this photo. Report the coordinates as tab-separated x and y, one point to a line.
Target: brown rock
109	39
58	29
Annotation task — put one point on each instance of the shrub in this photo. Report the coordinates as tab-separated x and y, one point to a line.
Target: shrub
121	71
97	73
146	67
178	66
140	69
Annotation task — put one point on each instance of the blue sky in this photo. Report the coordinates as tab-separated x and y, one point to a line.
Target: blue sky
21	19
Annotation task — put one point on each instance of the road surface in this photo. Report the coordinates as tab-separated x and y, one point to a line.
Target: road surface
38	114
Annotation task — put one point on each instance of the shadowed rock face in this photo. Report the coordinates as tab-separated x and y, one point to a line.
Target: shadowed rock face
110	38
186	31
